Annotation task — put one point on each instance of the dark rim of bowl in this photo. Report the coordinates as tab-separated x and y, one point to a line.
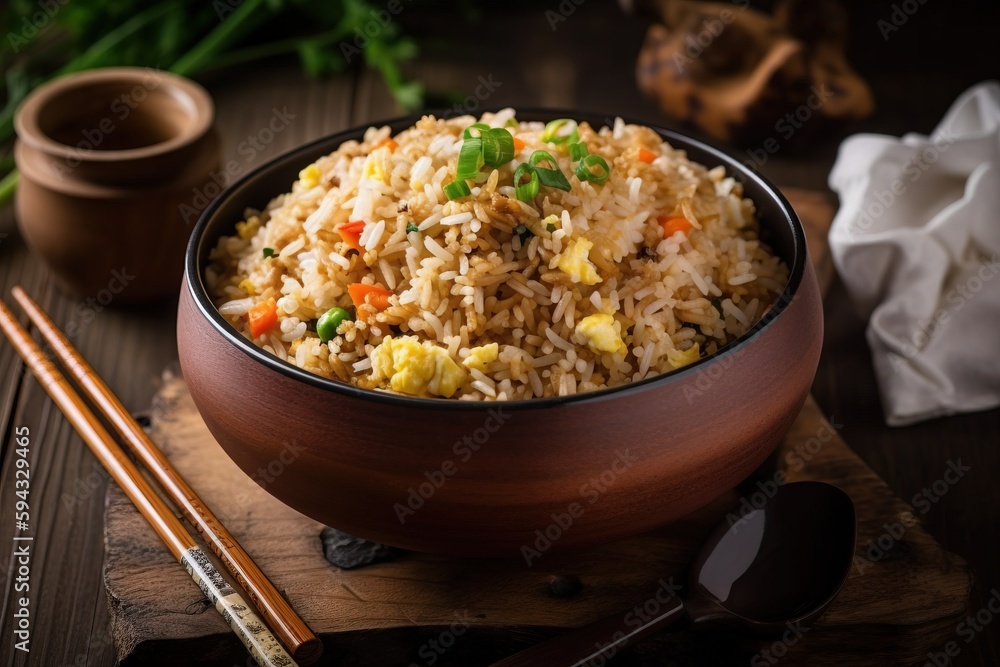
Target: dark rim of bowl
742	173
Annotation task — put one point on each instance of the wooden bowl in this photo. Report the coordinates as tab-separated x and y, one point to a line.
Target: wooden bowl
501	479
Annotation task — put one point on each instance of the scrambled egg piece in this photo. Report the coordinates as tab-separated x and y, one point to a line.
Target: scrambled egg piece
247	287
574	261
602	333
375	165
415	368
247	230
482	355
310	176
551	223
678	358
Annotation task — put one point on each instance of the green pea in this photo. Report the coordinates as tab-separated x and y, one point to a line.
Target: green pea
328	322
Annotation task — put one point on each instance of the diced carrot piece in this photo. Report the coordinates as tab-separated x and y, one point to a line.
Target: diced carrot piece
387	142
674	223
646	156
262	317
351	233
373	295
518	145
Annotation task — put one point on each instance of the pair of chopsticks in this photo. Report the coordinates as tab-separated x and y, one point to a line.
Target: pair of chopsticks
255	635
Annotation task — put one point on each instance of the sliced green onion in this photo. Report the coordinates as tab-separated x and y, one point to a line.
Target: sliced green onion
482	128
542	156
412	227
498	147
550	178
553	178
470	159
268	252
529	190
552	134
457	189
550	228
577	151
584	169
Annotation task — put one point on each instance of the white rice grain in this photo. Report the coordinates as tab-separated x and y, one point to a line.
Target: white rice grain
435	249
457	219
236	307
374	236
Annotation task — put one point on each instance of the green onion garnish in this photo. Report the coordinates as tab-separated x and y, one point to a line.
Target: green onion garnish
412	227
528	191
550	228
498	147
577	151
470	158
550	178
553	135
481	128
584	169
457	189
542	156
553	178
268	252
482	144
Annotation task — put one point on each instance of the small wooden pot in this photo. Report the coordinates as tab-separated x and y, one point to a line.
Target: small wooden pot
111	161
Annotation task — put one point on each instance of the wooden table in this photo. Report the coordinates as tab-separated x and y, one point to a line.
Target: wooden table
130	348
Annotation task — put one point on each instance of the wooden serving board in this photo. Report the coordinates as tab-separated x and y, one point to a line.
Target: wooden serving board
903	597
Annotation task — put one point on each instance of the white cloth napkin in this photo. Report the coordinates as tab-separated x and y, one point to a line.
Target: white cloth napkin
917	243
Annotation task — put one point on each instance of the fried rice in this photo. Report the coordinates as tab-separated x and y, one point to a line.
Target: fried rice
486	296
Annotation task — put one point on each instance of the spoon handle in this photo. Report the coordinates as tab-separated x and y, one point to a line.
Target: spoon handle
596	643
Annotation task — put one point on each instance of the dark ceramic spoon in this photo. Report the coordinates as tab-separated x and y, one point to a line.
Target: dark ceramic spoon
775	568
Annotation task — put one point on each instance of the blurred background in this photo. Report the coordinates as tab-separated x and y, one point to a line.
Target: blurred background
909	58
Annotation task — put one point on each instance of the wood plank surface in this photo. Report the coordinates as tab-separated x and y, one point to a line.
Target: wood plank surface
913	85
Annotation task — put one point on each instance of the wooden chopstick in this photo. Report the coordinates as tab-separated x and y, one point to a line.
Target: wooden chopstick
263	646
291	629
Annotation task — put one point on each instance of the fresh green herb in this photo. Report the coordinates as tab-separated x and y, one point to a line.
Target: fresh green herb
457	189
498	147
326	327
550	178
479	128
526	192
543	156
577	151
555	133
470	158
410	227
482	144
585	172
268	252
